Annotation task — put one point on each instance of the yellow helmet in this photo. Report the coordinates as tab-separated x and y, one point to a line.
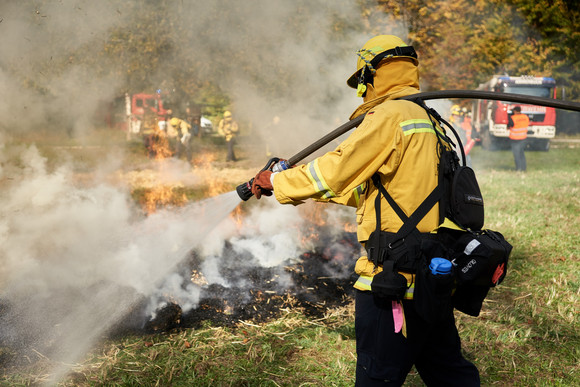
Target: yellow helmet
227	114
455	109
374	51
174	121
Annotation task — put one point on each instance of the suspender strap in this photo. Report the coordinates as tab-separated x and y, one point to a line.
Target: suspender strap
377	182
409	223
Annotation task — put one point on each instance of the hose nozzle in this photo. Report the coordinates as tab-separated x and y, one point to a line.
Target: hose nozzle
244	190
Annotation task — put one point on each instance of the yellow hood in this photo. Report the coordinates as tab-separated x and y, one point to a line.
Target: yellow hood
394	79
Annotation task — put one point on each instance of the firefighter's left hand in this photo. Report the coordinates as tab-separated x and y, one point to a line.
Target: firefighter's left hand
262	184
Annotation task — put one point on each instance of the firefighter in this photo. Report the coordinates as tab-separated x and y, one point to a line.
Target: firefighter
182	137
518	125
455	117
397	141
465	134
466	124
229	129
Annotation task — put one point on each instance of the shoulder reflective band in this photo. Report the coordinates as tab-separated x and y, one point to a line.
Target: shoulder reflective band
417	126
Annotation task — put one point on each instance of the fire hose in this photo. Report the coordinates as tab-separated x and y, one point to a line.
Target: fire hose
244	189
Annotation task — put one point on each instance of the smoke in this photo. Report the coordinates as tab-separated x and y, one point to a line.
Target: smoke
44	84
76	256
273	58
74	260
77	259
270	236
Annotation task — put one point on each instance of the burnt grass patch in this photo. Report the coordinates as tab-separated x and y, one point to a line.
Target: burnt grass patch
313	283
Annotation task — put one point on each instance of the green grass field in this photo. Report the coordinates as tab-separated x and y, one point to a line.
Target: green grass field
526	335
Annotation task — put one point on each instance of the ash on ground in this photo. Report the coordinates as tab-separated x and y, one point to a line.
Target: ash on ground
312	283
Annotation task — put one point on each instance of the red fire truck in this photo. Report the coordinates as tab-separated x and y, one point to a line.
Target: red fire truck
147	111
490	118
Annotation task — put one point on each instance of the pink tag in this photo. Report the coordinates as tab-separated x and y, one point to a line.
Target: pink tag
397	316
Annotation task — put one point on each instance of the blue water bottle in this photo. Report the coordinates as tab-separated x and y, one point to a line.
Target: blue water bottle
437	303
440	266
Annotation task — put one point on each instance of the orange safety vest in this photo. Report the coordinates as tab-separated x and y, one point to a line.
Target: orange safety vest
520	129
466	126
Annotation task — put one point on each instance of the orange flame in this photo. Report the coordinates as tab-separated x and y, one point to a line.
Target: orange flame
161	196
204	168
157	145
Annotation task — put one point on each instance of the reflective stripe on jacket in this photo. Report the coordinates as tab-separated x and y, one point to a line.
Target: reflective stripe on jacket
520	129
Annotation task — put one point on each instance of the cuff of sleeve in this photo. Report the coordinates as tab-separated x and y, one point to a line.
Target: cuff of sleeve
272	178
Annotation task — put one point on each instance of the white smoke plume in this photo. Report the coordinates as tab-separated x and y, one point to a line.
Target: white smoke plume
76	257
74	260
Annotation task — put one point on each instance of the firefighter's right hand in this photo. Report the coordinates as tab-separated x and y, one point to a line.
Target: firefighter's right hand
262	184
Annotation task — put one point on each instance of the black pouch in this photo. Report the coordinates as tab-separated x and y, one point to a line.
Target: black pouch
482	258
468	298
466	207
389	283
481	263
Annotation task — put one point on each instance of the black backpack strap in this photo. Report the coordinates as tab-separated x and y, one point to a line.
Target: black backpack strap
409	222
377	182
433	113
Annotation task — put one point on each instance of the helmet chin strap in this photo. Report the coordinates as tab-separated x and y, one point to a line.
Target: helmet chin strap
365	79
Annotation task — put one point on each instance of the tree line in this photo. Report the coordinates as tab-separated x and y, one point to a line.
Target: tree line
461	43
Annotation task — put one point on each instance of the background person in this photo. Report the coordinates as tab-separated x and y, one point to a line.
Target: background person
182	139
461	121
193	119
518	125
229	129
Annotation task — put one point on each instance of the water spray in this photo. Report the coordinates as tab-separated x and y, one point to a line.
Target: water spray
275	164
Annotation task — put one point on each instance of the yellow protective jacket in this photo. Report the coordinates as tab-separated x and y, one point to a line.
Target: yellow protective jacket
228	128
181	128
395	139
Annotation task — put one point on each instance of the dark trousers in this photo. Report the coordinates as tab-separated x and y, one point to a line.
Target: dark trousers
231	155
518	147
183	149
384	358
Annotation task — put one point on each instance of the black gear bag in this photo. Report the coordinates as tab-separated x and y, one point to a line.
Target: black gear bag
480	260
